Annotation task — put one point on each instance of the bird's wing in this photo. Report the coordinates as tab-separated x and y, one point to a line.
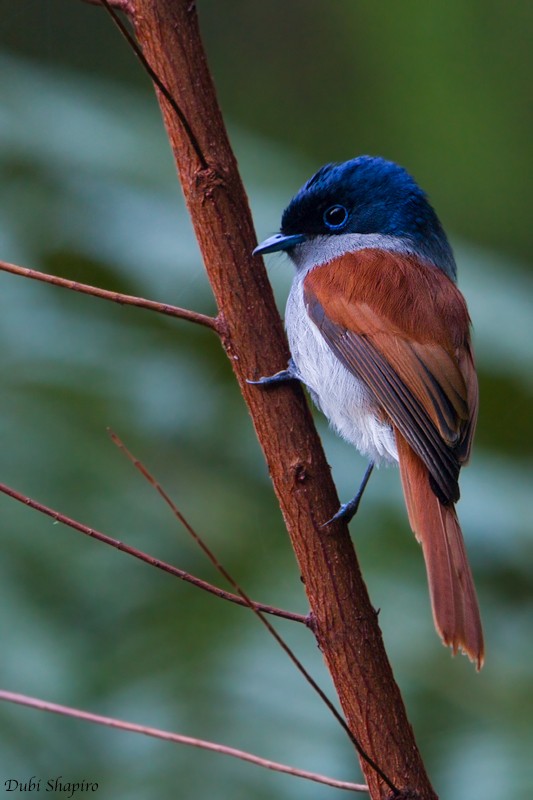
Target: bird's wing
402	328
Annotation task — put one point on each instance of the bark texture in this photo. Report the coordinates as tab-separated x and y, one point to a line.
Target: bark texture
345	622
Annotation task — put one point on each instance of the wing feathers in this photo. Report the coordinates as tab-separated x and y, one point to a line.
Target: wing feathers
419	371
402	407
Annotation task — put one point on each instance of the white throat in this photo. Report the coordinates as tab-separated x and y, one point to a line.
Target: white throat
323	249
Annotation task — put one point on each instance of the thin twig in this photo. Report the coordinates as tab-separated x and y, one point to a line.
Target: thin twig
115	297
154	562
273	632
177	738
158	82
121	5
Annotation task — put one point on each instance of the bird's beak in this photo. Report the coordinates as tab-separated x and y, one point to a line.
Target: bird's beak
279	242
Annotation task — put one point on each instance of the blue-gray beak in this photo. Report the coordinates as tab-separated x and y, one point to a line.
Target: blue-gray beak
279	242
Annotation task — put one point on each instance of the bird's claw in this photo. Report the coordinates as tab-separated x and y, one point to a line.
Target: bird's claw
289	374
346	512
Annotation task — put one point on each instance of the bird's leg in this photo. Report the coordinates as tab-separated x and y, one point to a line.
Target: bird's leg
348	510
289	374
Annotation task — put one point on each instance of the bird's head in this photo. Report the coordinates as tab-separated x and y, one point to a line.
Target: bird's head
366	195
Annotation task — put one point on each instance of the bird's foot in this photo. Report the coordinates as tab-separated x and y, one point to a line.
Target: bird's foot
348	510
289	374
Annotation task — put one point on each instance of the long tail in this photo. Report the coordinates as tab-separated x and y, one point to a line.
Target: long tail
451	586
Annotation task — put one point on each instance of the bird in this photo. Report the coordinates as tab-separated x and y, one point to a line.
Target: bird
379	334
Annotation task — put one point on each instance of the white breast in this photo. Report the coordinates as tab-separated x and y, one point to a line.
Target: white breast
340	396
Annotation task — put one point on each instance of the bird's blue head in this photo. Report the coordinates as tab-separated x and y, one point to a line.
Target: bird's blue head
367	195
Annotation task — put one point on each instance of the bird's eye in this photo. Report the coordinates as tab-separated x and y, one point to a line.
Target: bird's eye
335	217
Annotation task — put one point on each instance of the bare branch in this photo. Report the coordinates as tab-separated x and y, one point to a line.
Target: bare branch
156	79
273	632
177	738
154	562
345	622
127	6
115	297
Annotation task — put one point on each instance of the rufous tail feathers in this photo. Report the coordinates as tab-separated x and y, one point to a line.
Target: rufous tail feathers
451	586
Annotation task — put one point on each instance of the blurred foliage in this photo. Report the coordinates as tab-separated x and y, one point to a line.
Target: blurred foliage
442	87
88	191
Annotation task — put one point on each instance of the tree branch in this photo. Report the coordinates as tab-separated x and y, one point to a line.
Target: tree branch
346	623
115	297
264	621
154	562
127	6
177	738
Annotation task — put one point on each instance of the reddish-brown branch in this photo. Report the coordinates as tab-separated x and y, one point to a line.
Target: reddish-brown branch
177	738
154	562
115	297
346	625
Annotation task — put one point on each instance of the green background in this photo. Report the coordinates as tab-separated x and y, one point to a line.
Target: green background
88	191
